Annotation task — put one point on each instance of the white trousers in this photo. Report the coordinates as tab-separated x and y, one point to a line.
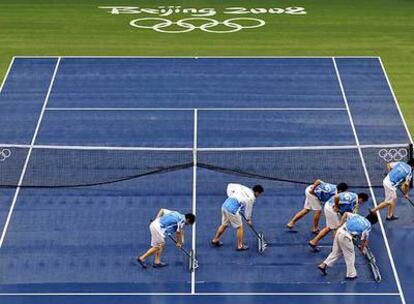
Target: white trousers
343	246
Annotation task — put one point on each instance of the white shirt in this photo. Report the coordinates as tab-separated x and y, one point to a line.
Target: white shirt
244	195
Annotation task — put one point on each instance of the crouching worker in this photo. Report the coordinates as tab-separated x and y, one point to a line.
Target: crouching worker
399	175
240	201
352	225
315	196
334	209
166	223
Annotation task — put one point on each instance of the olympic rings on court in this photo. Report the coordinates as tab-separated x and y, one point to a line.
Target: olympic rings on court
186	25
393	154
4	154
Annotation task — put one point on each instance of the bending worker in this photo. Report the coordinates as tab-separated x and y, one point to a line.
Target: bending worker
334	208
315	195
240	201
399	175
166	222
352	226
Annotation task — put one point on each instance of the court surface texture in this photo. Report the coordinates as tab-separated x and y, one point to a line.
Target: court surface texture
80	120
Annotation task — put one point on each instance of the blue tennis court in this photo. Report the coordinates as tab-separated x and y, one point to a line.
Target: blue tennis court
75	129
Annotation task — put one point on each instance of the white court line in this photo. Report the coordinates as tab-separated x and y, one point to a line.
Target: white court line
193	273
16	194
7	74
394	269
294	148
397	104
194	57
86	294
218	149
199	109
95	148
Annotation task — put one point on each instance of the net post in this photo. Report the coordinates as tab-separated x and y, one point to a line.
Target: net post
410	157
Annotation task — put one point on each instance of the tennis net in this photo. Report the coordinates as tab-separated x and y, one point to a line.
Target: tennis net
53	167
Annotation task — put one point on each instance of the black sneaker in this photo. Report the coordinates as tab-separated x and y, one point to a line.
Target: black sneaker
351	278
392	218
216	244
243	248
141	262
323	270
291	229
314	248
159	265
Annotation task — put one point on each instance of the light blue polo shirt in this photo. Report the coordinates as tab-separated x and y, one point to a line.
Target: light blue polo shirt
324	191
171	222
400	173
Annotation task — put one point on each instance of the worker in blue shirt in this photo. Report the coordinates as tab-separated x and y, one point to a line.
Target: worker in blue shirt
240	201
315	196
399	175
334	208
166	223
352	226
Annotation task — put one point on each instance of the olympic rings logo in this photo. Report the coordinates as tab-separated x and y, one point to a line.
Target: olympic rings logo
4	154
393	154
232	25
